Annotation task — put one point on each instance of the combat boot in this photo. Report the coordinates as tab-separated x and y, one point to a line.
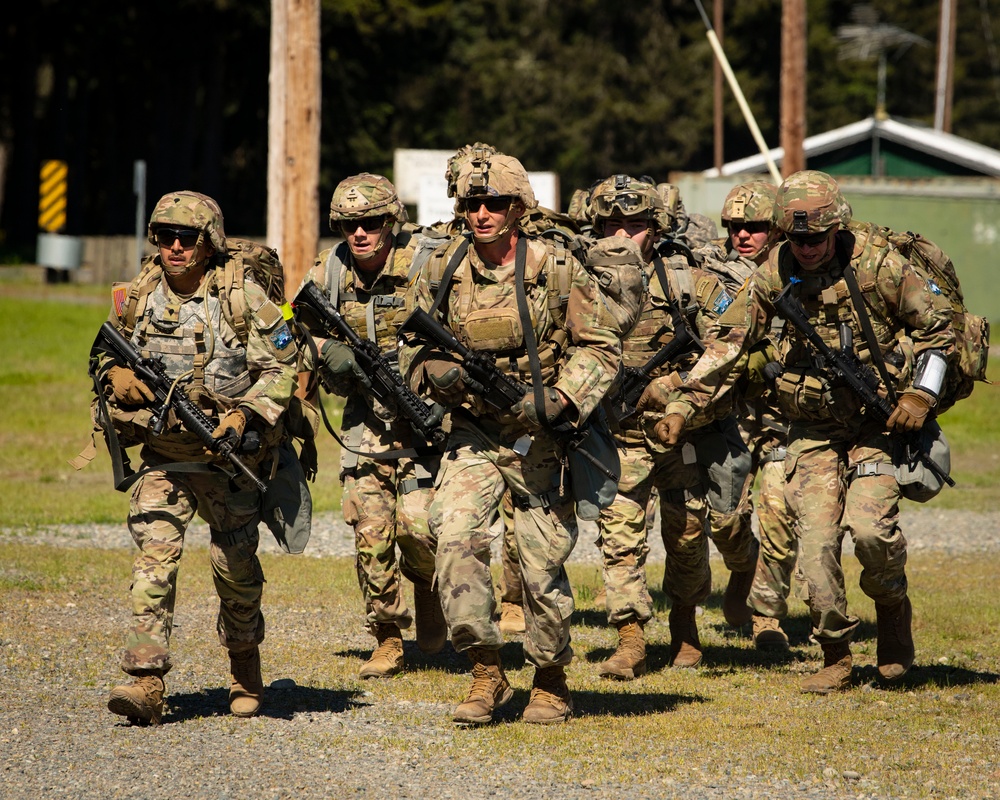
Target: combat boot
550	701
511	618
247	691
685	648
734	601
432	630
836	673
489	691
767	633
894	650
628	662
140	701
387	659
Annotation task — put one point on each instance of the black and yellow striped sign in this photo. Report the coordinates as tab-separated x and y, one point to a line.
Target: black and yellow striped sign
52	197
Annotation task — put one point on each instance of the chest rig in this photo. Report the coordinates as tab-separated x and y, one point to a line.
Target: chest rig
196	344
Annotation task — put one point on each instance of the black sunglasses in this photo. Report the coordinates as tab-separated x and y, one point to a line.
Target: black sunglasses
493	204
750	227
367	224
811	240
165	237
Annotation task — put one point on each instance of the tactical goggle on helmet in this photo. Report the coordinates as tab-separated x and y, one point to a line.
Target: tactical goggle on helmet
624	196
808	202
187	210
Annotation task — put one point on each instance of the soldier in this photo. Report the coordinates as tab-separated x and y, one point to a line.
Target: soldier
242	386
388	485
682	302
838	471
497	276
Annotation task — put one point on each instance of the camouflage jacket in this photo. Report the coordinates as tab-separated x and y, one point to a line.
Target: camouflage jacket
578	346
216	369
907	317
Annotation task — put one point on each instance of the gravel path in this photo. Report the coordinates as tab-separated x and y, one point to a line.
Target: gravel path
56	739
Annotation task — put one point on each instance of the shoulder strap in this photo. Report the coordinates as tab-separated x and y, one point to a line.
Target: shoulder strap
558	285
335	271
138	293
449	273
231	295
869	332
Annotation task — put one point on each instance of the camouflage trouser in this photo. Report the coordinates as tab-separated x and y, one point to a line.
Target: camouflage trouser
475	473
386	502
825	507
778	546
511	590
622	539
161	508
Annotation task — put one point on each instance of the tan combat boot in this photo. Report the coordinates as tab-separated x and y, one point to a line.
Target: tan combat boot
432	630
246	694
550	701
894	651
685	648
387	659
489	691
628	662
734	601
141	701
836	673
511	618
767	633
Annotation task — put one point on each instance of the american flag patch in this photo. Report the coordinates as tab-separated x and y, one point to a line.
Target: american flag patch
118	296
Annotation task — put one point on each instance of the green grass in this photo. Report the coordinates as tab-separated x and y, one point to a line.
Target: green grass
740	714
45	395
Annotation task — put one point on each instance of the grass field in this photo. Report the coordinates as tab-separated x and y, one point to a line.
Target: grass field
739	715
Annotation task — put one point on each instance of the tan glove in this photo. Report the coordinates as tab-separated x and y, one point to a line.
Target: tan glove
656	395
446	381
527	412
127	388
911	411
235	420
668	430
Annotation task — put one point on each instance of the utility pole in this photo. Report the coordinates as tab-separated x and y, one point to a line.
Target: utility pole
717	89
293	136
945	66
793	85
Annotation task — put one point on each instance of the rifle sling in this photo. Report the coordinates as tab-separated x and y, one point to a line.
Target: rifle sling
869	333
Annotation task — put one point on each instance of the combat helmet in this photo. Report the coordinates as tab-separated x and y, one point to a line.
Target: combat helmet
749	202
495	175
364	195
478	151
192	210
810	201
624	196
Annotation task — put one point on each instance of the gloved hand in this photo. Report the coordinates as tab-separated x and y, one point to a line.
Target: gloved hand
669	429
656	395
339	361
127	388
447	384
911	411
527	411
235	420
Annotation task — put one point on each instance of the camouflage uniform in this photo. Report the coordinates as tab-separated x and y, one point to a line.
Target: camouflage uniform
838	476
579	353
219	372
385	500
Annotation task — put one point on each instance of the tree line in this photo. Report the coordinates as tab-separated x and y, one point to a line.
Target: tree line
586	89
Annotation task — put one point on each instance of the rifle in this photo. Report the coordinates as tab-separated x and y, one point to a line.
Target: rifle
386	382
636	379
497	389
481	375
845	364
171	396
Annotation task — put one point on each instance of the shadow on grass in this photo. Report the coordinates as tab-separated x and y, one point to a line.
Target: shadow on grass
604	704
279	703
448	660
926	676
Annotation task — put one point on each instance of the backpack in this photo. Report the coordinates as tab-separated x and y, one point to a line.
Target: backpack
972	332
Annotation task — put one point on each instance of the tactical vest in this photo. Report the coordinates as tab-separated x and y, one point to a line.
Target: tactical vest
655	327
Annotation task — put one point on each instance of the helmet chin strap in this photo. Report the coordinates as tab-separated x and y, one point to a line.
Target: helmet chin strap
382	239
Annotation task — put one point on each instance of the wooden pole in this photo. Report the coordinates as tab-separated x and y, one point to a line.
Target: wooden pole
793	85
945	66
293	136
717	90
